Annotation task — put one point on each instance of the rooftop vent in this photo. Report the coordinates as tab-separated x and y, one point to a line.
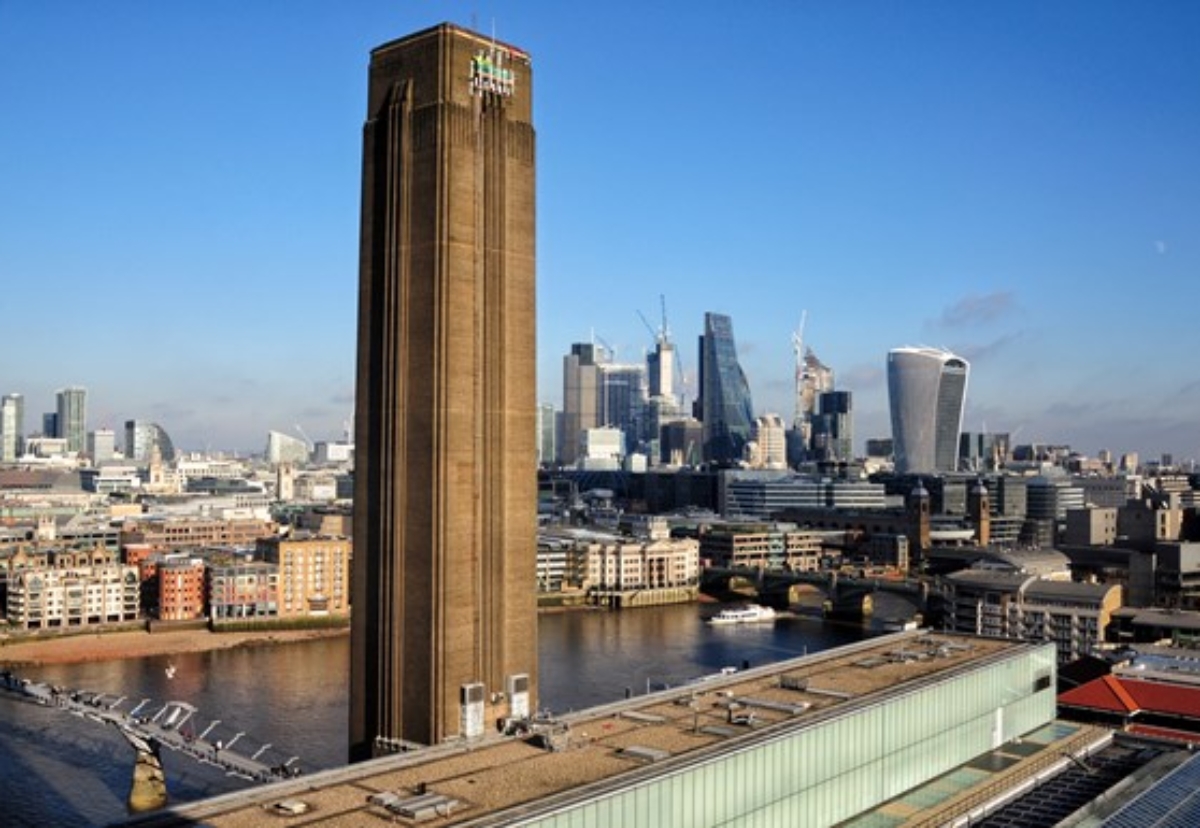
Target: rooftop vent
645	754
292	807
418	808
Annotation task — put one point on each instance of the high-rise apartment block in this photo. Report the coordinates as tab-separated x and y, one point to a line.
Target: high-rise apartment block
927	391
71	419
444	629
726	409
12	427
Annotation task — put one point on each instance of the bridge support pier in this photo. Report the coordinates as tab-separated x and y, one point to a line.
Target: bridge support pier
148	789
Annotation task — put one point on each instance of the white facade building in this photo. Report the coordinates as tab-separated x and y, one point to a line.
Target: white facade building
622	564
601	448
284	448
44	598
770	439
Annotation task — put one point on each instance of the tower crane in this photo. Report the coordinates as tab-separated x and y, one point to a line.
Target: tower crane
655	335
307	442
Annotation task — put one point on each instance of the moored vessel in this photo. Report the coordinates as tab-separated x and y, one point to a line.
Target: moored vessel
748	614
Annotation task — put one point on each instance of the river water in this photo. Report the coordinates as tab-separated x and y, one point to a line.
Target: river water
57	769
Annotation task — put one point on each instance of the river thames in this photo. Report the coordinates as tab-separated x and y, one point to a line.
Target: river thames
57	769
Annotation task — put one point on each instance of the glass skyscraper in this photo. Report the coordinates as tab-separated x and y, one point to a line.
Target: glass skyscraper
927	390
141	436
725	405
71	422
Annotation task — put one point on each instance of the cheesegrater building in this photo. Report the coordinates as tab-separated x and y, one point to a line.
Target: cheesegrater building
444	630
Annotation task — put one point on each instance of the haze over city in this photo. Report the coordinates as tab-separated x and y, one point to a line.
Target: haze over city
1018	183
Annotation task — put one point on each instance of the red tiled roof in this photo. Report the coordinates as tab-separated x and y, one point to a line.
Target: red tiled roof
1165	733
1129	696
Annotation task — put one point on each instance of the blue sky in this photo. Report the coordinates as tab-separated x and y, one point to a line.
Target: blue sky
1018	182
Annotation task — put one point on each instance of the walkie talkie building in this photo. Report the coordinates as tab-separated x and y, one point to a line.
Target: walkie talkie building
927	389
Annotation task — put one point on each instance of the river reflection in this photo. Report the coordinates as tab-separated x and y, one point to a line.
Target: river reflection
56	769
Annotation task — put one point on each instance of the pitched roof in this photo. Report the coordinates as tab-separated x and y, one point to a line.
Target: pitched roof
1130	696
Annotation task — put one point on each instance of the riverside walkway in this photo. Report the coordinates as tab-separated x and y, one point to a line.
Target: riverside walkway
147	728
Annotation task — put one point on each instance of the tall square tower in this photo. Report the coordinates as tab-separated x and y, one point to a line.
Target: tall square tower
444	630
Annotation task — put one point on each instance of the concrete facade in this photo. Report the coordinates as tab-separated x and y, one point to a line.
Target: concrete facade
445	478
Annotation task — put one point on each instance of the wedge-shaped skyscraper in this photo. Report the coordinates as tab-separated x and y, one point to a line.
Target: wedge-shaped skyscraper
927	389
726	408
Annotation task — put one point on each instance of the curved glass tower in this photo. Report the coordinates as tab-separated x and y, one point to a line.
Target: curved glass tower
726	409
927	390
141	436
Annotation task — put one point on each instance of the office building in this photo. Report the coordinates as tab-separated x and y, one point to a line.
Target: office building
547	434
813	378
601	393
623	401
284	448
770	443
70	421
142	437
102	445
726	409
660	368
601	449
581	397
978	451
12	427
833	427
681	442
927	390
444	627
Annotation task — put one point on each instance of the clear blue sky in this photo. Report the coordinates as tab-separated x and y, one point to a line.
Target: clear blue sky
1018	182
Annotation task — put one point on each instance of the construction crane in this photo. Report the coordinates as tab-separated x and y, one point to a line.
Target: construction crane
307	442
655	335
611	351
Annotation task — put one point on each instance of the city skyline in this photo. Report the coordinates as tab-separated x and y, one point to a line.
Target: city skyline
1017	184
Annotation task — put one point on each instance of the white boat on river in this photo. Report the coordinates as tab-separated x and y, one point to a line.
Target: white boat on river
748	614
